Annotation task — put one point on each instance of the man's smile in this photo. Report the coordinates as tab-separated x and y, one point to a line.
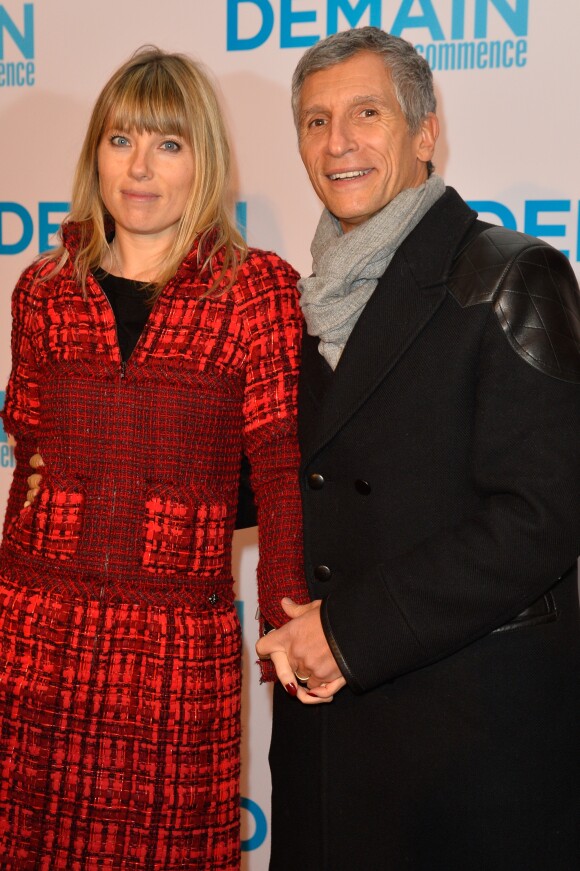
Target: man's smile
353	173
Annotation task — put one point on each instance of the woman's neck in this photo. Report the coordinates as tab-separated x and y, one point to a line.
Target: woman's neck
136	257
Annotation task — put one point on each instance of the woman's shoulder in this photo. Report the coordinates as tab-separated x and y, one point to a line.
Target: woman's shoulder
33	275
264	271
39	276
265	293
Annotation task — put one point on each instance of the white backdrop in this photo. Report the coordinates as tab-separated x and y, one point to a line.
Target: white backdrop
504	70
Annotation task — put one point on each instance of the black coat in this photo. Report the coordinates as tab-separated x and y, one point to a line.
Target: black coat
441	488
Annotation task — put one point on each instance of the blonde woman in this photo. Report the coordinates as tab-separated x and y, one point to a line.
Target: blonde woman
149	350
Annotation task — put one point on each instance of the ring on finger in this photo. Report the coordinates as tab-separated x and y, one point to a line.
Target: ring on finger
302	681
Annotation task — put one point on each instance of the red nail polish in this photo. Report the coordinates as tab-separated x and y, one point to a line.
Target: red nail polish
291	689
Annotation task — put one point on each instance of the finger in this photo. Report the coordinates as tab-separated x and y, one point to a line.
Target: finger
291	609
328	690
36	461
264	657
309	698
272	641
34	481
284	672
267	644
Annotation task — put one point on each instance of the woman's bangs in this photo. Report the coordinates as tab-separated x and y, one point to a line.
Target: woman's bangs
149	106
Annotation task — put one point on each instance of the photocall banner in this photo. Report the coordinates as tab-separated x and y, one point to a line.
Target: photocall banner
506	73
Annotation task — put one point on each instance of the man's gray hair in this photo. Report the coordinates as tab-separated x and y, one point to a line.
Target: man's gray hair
411	74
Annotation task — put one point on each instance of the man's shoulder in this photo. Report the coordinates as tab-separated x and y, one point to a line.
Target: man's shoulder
534	294
482	266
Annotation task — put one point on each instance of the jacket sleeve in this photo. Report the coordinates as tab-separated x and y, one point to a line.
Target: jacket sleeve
21	412
465	581
274	325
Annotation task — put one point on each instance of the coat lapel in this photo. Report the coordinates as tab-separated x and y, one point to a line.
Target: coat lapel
316	376
405	299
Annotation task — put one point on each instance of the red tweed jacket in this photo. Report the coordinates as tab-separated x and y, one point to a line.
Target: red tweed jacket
138	501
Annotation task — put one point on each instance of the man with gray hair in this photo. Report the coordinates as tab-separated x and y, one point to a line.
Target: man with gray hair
438	664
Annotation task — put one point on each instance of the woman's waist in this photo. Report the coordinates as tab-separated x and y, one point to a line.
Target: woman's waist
115	581
133	526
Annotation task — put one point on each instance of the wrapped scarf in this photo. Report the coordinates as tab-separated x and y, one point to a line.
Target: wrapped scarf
347	266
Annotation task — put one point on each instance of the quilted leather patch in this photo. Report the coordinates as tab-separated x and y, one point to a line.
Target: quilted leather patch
534	294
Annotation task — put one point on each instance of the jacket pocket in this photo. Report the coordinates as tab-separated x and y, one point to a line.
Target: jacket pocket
182	536
544	610
51	527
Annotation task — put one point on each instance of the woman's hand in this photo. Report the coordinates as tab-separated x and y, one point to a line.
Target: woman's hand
36	462
301	656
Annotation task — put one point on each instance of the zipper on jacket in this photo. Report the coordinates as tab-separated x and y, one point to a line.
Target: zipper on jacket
122	374
112	506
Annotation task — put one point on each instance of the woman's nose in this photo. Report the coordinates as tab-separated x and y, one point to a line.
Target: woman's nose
141	163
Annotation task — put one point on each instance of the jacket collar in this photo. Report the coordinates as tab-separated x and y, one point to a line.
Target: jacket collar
408	295
72	233
434	243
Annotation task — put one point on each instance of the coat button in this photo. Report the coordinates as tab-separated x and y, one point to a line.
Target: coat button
315	481
363	487
322	573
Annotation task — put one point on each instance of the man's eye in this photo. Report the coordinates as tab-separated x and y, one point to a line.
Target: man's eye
368	113
317	122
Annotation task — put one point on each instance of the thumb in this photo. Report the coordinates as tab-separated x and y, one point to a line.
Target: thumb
291	609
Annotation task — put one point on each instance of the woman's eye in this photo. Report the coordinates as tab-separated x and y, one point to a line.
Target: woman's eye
170	145
119	140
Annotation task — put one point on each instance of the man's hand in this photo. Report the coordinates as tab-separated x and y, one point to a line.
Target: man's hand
36	462
299	650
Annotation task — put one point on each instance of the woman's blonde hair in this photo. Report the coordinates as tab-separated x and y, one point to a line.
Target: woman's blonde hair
166	93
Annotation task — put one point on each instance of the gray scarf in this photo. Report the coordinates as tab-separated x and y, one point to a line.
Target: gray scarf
347	266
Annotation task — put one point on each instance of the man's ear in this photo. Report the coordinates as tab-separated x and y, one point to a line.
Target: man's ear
427	137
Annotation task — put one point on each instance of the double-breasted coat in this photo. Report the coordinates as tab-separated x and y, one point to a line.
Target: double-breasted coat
441	485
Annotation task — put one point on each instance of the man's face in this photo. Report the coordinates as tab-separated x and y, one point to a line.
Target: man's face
354	139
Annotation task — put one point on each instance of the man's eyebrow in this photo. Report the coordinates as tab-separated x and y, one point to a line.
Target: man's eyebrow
366	98
357	100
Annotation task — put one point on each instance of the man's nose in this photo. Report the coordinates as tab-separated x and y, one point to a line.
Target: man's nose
341	138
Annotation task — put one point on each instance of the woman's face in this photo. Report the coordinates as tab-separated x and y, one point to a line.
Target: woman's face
145	180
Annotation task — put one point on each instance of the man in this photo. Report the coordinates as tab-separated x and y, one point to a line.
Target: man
439	426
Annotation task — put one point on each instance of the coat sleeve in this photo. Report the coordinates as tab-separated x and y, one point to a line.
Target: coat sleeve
21	412
524	534
273	327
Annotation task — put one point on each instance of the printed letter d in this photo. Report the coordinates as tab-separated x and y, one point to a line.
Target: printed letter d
237	43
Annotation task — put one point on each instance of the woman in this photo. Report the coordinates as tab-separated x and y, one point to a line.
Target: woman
149	350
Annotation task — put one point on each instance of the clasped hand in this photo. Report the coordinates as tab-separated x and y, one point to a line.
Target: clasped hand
300	648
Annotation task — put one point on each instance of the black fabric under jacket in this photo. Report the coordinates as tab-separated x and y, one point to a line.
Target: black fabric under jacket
441	494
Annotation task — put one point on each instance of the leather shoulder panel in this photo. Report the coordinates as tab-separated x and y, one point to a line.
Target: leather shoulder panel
534	294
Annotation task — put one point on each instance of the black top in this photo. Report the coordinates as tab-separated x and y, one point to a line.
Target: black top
131	306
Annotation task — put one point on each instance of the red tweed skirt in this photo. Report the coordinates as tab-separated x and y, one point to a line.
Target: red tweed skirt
119	735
